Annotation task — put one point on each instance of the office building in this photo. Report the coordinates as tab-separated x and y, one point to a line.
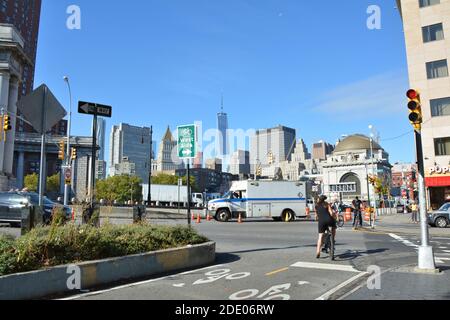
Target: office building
321	150
130	144
240	163
168	160
222	139
426	26
271	146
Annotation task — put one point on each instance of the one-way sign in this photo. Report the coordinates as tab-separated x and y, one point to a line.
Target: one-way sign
94	109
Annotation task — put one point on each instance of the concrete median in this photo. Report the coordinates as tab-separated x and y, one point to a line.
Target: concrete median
56	281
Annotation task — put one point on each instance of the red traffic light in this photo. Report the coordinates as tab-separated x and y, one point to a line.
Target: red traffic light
412	94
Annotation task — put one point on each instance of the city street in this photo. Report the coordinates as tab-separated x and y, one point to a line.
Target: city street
264	259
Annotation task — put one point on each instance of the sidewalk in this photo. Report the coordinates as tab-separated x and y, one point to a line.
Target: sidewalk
401	224
404	284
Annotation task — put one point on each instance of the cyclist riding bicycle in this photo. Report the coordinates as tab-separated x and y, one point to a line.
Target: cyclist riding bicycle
327	220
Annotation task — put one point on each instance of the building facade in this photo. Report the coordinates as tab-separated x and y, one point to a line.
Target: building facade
271	146
321	150
346	171
240	163
214	164
222	139
130	144
168	160
13	59
404	180
427	36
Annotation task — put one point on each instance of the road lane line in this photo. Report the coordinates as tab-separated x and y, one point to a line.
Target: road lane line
324	266
329	293
277	271
95	293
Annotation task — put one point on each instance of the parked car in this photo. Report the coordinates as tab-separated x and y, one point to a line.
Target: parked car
12	204
441	217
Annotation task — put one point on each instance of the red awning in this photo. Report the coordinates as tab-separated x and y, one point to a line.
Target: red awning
438	182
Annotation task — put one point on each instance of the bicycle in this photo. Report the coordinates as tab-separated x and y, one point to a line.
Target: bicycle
340	221
328	246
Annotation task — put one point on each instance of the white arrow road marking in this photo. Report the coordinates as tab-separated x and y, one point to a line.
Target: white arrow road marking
179	285
324	266
302	283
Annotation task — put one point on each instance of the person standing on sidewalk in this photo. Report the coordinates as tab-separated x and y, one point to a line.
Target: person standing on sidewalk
357	204
414	214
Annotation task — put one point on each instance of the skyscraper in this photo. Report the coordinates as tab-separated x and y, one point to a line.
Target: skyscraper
101	137
223	145
168	161
130	144
272	146
321	150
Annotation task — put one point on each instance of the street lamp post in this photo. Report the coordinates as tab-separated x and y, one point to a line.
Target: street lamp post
373	174
149	195
68	162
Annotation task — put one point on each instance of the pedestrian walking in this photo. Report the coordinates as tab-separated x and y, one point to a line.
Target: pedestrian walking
357	206
414	214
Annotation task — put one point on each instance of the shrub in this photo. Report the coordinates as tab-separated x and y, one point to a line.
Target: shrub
63	244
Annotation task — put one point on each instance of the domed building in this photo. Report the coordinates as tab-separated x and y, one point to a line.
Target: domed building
346	171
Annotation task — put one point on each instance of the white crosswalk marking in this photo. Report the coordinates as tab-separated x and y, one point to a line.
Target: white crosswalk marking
324	266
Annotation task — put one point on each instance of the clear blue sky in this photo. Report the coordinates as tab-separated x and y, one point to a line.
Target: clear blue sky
310	65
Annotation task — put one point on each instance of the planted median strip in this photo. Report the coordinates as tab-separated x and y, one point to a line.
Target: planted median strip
58	245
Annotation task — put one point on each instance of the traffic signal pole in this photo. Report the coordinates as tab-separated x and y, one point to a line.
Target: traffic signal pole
426	255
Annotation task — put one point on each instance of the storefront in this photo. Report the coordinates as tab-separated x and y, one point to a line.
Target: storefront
438	185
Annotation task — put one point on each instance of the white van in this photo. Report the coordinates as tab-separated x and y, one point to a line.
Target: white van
279	200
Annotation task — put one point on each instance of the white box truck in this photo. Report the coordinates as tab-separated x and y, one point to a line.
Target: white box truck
171	195
279	200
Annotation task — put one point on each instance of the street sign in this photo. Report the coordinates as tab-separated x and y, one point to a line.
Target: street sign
94	109
41	109
68	175
187	137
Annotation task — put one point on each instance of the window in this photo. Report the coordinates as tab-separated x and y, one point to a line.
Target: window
440	107
442	146
437	69
427	3
434	32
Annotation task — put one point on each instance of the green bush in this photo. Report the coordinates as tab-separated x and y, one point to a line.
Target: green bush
56	245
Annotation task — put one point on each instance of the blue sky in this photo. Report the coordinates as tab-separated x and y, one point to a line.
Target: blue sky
310	65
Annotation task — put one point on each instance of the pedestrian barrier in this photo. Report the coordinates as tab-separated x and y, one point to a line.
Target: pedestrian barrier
348	215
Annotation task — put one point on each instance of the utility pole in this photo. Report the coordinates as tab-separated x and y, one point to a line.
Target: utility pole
149	195
68	163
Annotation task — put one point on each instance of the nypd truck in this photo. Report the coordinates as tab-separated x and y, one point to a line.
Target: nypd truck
279	200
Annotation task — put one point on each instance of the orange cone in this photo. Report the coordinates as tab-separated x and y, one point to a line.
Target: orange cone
192	217
73	214
240	218
199	219
208	217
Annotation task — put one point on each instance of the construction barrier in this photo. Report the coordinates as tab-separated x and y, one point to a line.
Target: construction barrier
348	215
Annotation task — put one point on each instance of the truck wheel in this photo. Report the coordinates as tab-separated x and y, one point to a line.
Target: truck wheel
223	215
288	216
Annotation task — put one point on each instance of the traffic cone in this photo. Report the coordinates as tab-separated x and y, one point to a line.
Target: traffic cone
208	217
73	214
240	218
199	219
192	217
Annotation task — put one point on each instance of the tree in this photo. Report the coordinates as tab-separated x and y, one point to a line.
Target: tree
172	180
31	182
119	188
53	183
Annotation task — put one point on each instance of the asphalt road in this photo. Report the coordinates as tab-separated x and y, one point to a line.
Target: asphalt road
261	260
274	260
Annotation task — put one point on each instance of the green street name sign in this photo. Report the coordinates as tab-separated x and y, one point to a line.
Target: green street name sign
187	142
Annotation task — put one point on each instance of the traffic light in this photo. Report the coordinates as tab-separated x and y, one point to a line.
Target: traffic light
61	153
74	154
415	108
6	123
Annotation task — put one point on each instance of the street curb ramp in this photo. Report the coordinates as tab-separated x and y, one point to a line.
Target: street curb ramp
53	281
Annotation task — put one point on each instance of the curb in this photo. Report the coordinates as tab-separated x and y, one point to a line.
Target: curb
54	281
